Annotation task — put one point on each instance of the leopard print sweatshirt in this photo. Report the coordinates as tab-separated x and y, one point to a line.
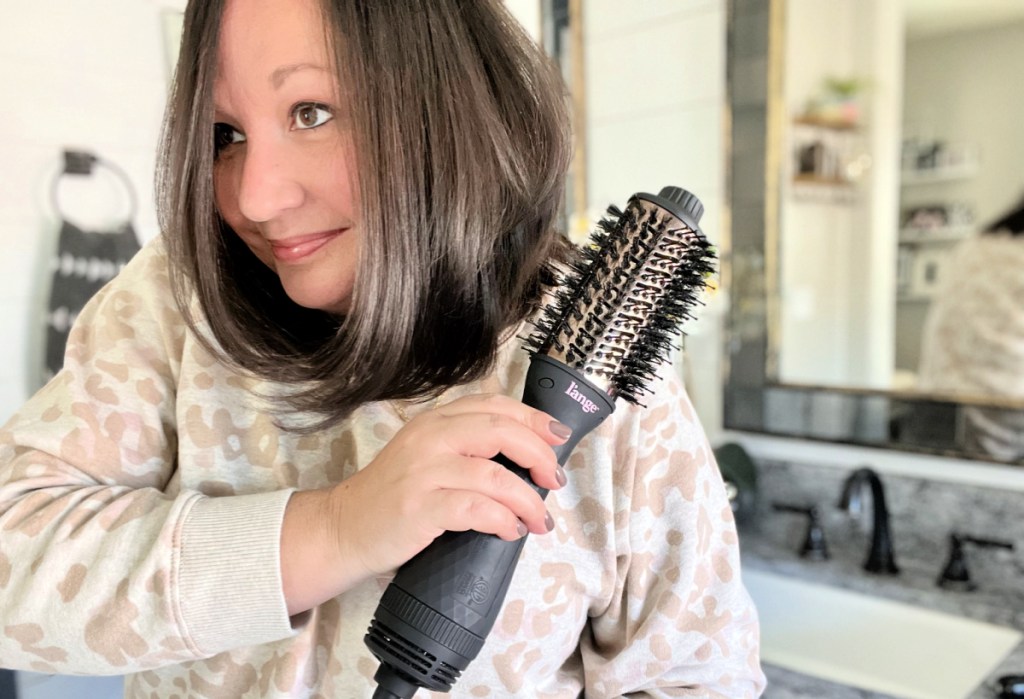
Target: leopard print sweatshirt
142	493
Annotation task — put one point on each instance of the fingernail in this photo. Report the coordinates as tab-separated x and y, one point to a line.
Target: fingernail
560	430
522	530
548	522
560	476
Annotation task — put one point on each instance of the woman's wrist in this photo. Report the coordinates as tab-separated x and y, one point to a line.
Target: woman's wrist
314	568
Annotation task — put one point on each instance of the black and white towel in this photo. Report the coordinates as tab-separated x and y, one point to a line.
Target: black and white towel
83	263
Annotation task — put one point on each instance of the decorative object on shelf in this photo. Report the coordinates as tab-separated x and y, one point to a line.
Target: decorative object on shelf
927	270
935	160
938	218
84	260
838	105
827	146
926	235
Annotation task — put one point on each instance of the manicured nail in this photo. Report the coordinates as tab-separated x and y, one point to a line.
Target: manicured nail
548	522
522	530
560	430
560	476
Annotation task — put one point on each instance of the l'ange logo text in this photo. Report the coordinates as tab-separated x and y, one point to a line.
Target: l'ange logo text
588	405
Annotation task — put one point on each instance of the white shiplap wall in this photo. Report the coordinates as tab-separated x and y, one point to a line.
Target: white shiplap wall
86	75
655	88
83	75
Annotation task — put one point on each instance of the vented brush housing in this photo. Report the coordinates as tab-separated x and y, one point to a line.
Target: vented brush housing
620	306
615	314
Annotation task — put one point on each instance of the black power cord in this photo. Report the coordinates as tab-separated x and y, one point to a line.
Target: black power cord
393	684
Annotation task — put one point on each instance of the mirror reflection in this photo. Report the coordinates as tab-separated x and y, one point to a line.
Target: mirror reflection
901	259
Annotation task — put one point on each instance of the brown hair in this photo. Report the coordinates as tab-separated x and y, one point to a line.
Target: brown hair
462	140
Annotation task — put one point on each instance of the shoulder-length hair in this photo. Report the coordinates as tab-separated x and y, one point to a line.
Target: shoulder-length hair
462	142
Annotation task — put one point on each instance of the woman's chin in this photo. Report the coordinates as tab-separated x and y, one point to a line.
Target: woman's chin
319	299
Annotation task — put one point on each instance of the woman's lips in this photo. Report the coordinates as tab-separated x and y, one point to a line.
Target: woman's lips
301	246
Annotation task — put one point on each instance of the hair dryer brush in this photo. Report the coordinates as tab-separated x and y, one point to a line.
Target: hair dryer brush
612	322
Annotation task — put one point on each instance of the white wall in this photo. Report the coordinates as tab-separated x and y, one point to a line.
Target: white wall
528	12
837	245
83	75
87	75
655	82
963	88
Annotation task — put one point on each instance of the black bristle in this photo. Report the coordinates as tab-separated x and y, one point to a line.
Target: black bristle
620	305
573	287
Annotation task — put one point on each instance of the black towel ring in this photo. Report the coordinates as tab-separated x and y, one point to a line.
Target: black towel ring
81	163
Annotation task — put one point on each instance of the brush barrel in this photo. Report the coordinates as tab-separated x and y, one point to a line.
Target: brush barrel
434	616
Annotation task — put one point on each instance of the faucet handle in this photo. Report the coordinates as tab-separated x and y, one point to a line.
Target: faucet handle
955	575
814	546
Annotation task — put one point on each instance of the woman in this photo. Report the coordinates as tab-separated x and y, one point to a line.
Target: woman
301	384
972	345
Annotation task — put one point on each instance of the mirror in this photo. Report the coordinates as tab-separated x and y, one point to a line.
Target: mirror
867	142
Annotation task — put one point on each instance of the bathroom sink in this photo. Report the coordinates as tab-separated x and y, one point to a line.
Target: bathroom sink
872	643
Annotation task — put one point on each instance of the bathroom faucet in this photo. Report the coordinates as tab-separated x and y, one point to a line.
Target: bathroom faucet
814	547
955	575
880	557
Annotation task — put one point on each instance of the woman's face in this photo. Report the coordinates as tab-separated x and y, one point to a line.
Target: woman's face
284	173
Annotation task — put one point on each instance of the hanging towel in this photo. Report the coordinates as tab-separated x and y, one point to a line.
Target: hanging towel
83	263
84	260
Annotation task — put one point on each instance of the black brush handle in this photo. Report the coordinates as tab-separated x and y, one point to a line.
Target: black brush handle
434	616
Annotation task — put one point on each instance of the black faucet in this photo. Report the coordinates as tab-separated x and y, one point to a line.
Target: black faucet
955	575
814	546
880	558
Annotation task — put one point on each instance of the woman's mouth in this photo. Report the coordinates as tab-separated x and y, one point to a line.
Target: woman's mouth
301	246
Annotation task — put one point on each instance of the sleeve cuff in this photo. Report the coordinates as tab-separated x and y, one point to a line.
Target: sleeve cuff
229	572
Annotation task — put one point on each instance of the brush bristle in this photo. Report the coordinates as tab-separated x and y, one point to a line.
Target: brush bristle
622	303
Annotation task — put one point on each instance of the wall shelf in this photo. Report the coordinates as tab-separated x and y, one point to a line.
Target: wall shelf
820	181
944	173
829	124
926	236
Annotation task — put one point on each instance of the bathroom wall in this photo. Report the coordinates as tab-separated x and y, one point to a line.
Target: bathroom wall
73	75
80	75
655	88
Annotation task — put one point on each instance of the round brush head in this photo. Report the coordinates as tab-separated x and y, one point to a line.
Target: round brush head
622	303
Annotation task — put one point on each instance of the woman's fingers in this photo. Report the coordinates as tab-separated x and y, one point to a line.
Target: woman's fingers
439	473
498	484
546	427
521	434
465	510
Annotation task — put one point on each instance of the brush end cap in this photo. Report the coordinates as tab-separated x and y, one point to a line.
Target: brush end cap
683	204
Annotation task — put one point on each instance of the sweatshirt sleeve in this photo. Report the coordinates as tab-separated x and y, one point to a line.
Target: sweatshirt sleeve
679	623
105	567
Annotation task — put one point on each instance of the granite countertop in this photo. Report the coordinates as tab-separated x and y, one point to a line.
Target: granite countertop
775	551
923	513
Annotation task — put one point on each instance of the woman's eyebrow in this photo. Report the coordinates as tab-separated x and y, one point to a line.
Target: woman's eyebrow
281	74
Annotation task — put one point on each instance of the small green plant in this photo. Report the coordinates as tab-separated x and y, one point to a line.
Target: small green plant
845	88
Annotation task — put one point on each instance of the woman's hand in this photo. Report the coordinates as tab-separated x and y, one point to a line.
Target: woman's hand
435	475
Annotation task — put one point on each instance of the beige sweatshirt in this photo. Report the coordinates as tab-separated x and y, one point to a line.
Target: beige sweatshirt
141	500
973	340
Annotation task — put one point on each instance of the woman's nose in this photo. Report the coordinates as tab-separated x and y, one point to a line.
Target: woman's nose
269	184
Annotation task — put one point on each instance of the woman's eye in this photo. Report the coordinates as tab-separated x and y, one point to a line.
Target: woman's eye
224	136
311	115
